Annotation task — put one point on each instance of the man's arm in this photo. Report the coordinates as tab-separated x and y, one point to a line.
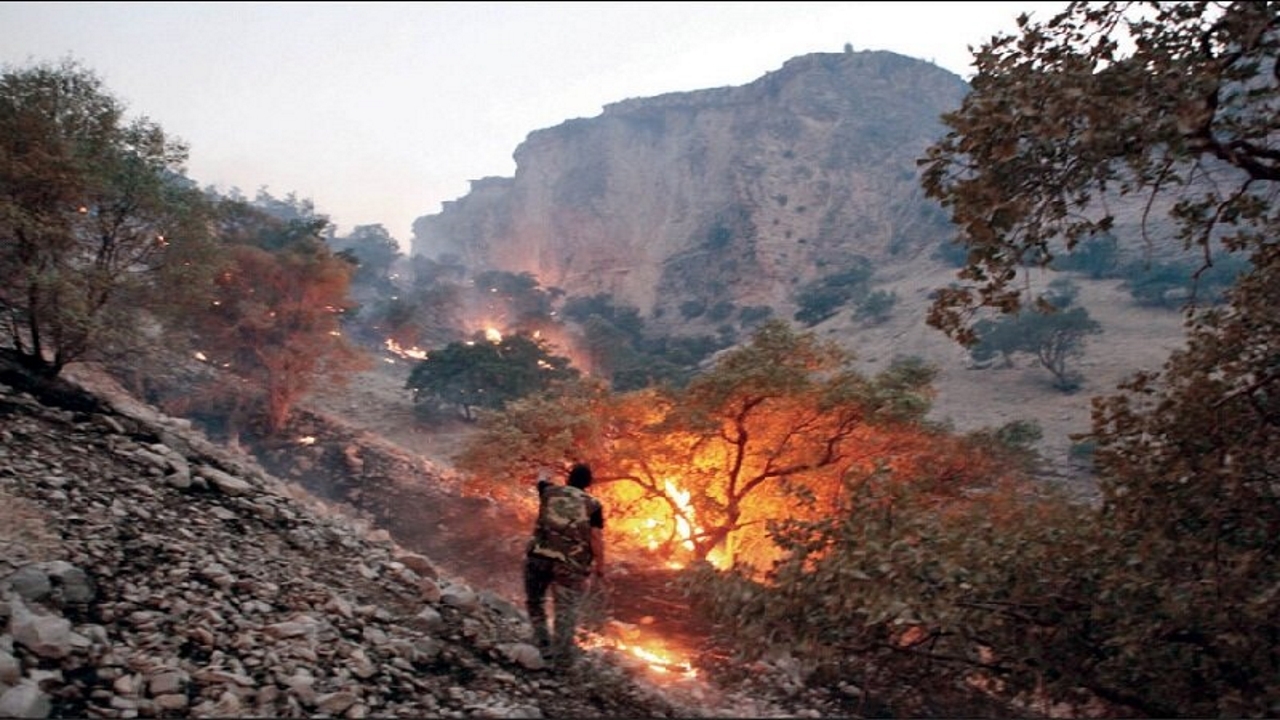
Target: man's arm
597	551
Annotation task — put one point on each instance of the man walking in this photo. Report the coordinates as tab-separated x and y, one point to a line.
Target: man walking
566	549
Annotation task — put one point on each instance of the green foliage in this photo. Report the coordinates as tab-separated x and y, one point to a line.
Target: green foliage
518	298
575	419
1168	102
690	309
618	347
271	223
898	583
1053	337
822	298
1188	469
752	316
1014	442
374	251
483	374
625	319
1064	117
96	219
1096	256
877	306
1175	284
722	310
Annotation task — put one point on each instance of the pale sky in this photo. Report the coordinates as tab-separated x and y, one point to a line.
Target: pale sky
380	111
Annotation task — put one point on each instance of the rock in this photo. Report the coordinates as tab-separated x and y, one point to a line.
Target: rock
25	700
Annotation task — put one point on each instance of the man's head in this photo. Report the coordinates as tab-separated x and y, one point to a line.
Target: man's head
580	476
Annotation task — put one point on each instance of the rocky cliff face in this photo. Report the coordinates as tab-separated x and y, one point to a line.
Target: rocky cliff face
737	193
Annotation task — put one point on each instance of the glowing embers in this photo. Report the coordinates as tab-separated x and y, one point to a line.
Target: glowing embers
413	353
651	653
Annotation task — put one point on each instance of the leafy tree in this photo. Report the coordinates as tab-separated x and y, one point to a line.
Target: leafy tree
877	306
1060	117
374	251
577	418
1097	257
484	374
274	322
1176	102
297	218
615	345
752	316
1173	284
904	592
767	431
692	309
1189	462
96	219
517	299
820	299
428	272
625	319
1053	337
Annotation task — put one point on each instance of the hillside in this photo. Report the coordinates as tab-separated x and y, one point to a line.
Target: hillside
969	398
145	571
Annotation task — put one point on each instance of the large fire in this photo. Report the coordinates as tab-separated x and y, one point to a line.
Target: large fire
667	526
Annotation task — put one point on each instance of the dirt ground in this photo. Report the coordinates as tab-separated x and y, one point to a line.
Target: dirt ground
970	398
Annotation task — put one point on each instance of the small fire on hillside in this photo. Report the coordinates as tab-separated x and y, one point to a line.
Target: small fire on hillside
651	653
413	353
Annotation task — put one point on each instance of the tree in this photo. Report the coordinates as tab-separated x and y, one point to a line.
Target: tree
699	470
1060	119
95	217
517	300
823	297
1052	337
484	374
374	251
1176	102
274	319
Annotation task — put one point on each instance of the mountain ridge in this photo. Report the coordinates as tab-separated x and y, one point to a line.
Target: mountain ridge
738	198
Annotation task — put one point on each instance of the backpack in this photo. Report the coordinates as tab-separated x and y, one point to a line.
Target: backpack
563	529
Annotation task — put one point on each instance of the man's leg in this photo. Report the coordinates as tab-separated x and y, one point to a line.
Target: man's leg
537	578
567	592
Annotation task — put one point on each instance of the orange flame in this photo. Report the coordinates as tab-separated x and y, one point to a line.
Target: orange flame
659	660
413	353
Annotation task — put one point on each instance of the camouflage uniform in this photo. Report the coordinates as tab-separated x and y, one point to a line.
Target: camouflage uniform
560	559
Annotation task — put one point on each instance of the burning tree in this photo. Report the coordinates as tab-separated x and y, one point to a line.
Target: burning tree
274	323
699	472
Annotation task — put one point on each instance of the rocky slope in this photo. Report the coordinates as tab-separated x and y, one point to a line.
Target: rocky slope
146	572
